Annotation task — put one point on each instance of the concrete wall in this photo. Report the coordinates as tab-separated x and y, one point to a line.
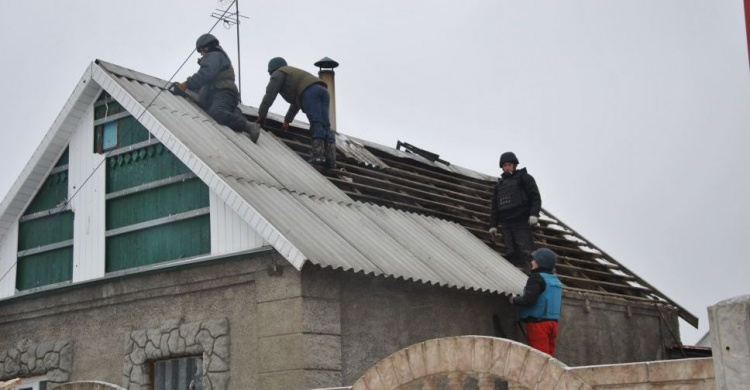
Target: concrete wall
380	316
602	330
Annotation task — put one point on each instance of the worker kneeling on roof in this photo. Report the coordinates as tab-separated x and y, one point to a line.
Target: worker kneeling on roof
218	94
541	301
303	91
516	204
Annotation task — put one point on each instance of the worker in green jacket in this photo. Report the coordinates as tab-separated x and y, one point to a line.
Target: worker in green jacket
303	91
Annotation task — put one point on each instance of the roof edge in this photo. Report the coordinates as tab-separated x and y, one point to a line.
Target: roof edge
45	156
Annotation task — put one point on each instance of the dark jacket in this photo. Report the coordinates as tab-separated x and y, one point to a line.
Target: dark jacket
290	82
515	198
216	72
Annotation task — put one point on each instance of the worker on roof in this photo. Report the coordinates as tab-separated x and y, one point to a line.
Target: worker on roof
303	91
541	302
516	204
218	94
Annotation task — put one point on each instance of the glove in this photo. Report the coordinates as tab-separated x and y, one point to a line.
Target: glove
493	233
533	220
285	126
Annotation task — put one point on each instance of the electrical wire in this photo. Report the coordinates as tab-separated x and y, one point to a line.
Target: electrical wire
132	125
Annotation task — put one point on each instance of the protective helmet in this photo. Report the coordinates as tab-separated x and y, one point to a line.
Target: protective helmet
508	157
275	63
546	258
206	40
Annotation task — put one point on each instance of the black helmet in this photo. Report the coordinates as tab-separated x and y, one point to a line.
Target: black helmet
275	63
206	40
508	157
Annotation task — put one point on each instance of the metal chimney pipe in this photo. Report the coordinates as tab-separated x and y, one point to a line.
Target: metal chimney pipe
326	66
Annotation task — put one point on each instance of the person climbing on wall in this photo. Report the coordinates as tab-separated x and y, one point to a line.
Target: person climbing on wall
218	94
539	306
303	91
516	203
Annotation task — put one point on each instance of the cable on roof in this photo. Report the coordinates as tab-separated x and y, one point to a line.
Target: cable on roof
132	125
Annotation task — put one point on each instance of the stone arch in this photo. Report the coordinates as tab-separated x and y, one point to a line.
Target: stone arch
483	358
89	385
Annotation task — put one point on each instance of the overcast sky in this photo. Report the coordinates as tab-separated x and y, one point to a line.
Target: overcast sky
633	115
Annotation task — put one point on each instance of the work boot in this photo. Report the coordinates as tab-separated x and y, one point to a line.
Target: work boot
330	155
318	149
253	130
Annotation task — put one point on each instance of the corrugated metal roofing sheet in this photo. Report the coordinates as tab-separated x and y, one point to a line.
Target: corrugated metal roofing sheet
223	150
306	210
377	240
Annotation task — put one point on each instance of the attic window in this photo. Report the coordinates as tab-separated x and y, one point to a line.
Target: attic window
109	136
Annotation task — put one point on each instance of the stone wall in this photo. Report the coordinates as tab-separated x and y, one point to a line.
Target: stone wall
101	319
686	374
54	359
173	339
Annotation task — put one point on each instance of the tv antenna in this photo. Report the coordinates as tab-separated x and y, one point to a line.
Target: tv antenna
231	19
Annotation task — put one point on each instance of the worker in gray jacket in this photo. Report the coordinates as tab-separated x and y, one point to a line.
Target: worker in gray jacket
303	91
218	94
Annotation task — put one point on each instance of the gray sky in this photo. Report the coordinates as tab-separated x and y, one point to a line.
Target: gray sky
633	115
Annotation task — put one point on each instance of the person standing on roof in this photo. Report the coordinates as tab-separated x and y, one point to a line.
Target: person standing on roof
516	203
218	94
539	306
303	91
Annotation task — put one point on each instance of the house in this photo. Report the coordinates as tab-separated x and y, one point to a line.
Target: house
146	245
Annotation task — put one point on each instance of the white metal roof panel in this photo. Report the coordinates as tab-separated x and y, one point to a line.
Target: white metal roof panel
224	151
362	237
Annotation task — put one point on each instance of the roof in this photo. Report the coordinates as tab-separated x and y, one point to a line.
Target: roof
400	213
301	213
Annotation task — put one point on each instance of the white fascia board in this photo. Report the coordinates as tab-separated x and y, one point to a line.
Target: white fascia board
48	152
214	182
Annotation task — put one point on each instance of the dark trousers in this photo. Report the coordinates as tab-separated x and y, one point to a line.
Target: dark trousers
519	243
542	336
316	101
222	106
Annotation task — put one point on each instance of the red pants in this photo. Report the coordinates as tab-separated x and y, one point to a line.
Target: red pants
542	336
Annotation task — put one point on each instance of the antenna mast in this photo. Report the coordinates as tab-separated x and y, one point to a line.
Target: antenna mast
231	19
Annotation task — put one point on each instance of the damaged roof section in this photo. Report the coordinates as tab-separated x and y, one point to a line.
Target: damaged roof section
416	183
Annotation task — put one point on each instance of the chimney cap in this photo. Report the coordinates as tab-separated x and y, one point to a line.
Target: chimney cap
327	63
